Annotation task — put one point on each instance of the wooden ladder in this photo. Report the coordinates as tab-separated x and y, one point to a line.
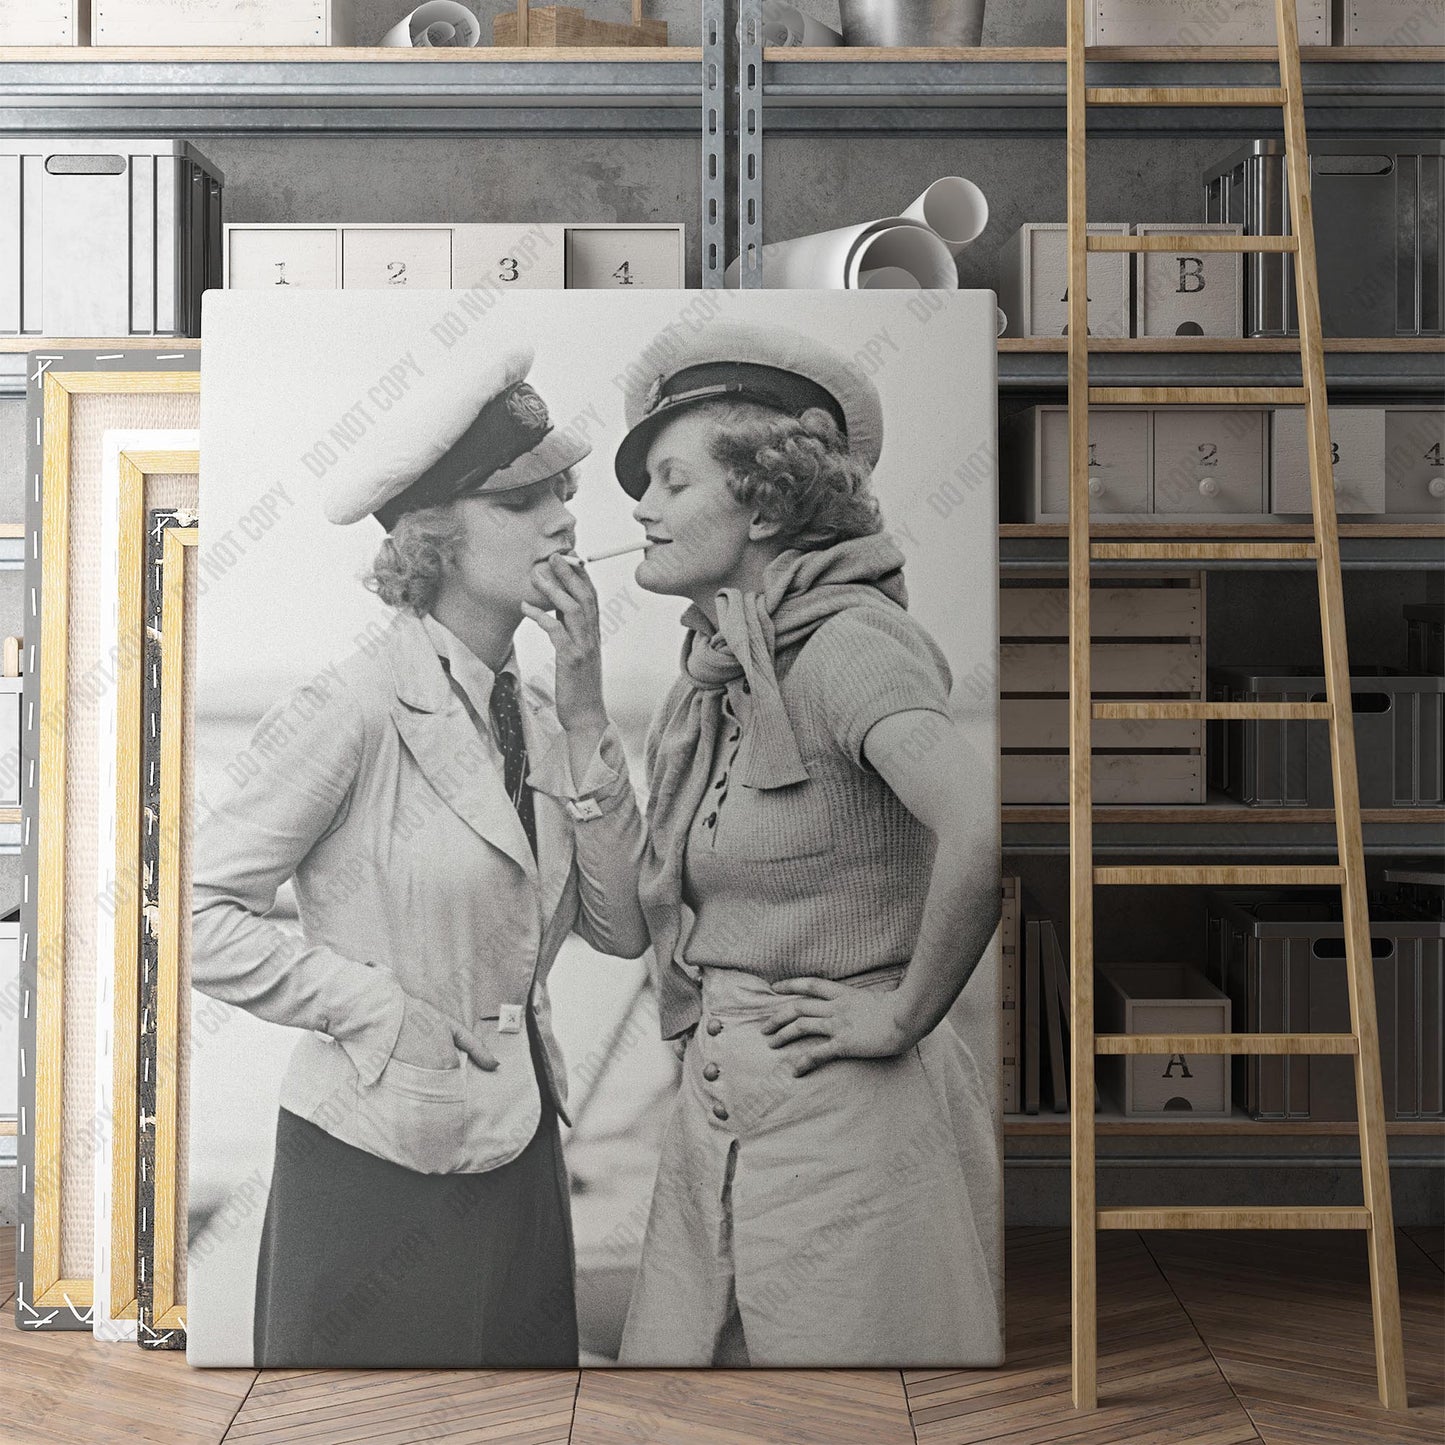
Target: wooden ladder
1375	1218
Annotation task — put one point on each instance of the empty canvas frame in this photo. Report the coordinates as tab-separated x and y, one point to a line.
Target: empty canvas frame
74	399
313	396
163	1075
142	470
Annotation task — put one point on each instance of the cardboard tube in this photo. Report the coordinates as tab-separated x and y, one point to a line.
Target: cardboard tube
954	209
439	24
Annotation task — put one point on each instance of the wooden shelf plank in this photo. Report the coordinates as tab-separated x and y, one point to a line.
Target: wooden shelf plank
1241	1126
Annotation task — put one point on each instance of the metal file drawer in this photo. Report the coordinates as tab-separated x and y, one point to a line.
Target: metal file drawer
1357	438
1209	462
1414	459
1377	214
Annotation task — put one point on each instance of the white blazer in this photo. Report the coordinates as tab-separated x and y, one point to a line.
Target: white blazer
375	793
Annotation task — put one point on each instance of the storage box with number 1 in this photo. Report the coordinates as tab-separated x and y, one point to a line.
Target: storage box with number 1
505	256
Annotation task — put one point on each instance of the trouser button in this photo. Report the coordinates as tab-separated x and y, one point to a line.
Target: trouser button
714	1027
710	1072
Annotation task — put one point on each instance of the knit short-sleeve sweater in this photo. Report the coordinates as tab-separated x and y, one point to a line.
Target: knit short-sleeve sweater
825	877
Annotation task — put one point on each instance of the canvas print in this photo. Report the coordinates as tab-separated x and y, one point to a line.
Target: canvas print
595	889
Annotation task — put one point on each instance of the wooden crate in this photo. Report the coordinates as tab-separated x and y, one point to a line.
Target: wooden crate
221	22
56	22
552	26
1389	22
1148	634
1189	22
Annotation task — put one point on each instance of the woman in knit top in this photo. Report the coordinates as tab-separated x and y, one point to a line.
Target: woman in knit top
819	882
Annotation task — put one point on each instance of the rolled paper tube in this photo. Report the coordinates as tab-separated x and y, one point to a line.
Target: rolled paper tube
887	278
954	209
1002	320
904	246
831	260
437	25
787	25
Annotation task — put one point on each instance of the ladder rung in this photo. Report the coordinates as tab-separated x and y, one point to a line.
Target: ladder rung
1205	551
1226	1044
1198	395
1223	1217
1159	711
1186	241
1224	876
1185	95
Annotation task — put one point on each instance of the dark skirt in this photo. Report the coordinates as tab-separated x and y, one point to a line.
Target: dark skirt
366	1264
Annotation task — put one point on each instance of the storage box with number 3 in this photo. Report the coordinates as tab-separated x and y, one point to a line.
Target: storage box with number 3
514	256
642	257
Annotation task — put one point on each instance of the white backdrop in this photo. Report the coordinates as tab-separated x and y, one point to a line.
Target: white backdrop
293	385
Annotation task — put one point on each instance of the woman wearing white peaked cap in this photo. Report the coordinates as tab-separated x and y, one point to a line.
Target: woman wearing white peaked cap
445	825
819	883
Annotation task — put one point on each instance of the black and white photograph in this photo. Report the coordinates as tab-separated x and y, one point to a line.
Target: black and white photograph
596	872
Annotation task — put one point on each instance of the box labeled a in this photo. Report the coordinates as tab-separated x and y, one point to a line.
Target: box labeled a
1189	292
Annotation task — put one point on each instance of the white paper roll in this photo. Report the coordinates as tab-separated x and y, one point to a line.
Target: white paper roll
785	24
954	209
1002	320
835	260
439	24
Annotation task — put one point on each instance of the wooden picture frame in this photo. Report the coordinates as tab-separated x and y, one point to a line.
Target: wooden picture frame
74	396
164	931
142	471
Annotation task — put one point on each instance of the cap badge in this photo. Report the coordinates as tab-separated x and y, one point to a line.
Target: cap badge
654	395
527	409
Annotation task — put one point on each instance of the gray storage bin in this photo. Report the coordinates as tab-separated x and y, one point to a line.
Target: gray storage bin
1377	213
102	238
1399	739
1280	958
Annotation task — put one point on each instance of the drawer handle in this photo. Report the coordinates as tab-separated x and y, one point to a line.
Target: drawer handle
1335	948
70	165
1096	486
1437	487
1208	487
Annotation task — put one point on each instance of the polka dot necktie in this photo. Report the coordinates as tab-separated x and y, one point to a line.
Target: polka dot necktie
507	729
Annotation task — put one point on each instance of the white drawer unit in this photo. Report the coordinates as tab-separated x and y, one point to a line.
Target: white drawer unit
221	22
44	22
1192	22
605	257
1209	462
1033	283
492	256
1415	460
307	258
1357	451
1189	293
377	258
1389	22
510	257
1036	460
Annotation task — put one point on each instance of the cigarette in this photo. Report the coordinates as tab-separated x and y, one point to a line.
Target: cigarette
615	552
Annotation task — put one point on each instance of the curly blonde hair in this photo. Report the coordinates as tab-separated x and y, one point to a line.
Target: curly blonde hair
797	471
407	571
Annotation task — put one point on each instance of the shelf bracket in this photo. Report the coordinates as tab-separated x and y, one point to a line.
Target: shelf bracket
715	52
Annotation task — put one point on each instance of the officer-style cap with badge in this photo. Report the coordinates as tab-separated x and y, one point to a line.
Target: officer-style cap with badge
770	365
496	437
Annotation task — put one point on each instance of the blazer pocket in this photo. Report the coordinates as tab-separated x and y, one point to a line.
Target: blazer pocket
416	1114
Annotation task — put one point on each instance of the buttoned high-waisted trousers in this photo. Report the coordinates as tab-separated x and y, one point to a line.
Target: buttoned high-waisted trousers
849	1217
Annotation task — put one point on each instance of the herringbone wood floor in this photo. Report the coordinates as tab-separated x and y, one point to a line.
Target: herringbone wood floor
1204	1340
